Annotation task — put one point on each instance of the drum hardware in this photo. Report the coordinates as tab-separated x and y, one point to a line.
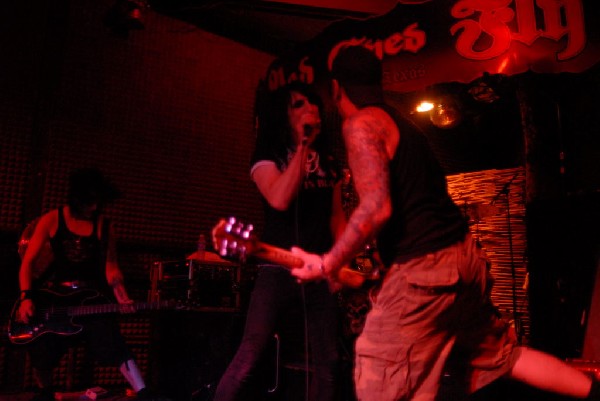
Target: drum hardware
200	284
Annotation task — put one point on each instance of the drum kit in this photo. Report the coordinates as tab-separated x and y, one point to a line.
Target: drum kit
203	281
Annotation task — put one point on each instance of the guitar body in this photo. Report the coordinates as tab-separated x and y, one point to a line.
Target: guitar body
53	314
56	312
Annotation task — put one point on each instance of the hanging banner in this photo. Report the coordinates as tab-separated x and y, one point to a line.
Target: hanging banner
455	40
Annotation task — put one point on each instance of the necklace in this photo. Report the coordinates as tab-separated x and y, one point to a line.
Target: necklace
312	162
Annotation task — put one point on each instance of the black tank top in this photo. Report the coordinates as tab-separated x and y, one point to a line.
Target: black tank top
78	258
424	217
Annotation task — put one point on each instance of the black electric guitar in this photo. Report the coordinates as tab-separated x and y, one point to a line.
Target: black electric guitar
233	239
56	313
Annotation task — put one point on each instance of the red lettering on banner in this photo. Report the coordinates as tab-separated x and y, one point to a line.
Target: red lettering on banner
304	72
560	18
412	39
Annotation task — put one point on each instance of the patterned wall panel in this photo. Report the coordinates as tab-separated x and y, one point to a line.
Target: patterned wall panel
19	97
167	114
15	159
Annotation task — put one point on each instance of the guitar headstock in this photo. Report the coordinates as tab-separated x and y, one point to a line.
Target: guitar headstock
234	239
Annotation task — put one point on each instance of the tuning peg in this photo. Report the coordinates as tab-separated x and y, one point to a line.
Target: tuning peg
248	231
230	223
223	247
239	228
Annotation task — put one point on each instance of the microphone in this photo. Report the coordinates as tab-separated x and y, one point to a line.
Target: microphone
308	129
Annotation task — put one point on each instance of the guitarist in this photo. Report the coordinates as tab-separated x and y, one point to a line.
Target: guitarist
83	244
301	189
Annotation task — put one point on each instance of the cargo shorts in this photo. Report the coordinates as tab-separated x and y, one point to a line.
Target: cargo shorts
426	307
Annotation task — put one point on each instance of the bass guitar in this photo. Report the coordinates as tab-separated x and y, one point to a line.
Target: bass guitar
234	239
57	313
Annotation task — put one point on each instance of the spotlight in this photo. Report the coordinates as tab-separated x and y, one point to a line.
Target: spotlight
125	15
424	106
445	115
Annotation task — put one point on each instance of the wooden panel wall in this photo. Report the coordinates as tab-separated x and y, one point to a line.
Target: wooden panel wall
494	201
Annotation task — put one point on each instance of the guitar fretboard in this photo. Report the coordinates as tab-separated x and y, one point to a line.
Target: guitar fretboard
83	310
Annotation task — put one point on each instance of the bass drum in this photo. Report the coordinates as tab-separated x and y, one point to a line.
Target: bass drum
46	256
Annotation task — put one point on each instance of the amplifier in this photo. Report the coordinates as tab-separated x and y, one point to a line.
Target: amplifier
199	284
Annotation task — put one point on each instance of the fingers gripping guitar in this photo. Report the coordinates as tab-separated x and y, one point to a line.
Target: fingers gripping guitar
233	239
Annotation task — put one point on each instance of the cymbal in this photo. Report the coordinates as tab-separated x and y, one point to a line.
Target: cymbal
208	257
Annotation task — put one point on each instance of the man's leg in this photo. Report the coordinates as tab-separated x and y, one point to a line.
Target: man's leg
548	373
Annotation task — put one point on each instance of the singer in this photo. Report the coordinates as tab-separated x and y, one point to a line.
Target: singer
301	189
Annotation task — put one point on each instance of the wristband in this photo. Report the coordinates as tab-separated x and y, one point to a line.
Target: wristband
25	294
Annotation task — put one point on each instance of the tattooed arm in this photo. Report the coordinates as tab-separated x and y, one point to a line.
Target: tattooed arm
365	139
370	137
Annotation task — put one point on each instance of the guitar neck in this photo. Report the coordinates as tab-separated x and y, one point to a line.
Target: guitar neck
235	240
277	255
84	310
345	276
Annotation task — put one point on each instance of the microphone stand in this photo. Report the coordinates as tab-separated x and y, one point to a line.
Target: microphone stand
506	191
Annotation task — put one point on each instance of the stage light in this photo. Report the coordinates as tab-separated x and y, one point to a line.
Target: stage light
445	115
424	106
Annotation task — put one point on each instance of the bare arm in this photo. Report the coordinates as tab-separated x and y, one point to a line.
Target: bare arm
280	188
38	240
368	159
368	145
114	276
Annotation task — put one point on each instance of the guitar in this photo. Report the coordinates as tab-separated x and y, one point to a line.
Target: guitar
56	313
234	239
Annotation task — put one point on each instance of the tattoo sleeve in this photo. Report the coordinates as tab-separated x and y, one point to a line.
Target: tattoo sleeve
365	143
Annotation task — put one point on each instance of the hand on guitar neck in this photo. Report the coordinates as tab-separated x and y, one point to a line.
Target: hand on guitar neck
233	239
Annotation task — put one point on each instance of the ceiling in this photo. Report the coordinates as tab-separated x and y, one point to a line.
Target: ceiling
270	26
